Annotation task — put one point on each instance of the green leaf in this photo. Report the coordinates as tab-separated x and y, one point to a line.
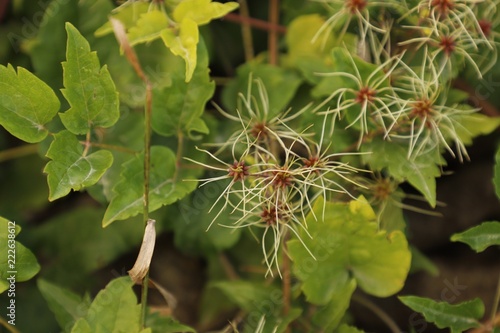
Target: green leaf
178	107
160	324
165	186
329	316
67	306
496	173
183	43
25	266
458	317
114	310
480	237
473	125
420	262
128	14
281	85
344	328
70	169
69	265
148	27
348	246
26	104
202	11
89	88
419	171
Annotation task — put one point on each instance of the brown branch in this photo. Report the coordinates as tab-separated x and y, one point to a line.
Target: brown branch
246	31
17	152
274	17
255	23
478	97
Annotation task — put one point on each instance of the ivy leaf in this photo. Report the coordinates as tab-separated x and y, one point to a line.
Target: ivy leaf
67	306
348	246
202	11
26	265
458	317
281	85
480	237
89	88
183	43
164	186
69	168
26	104
178	107
419	171
148	27
114	309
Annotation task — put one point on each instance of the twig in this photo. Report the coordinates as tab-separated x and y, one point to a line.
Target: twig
17	152
131	57
479	101
287	280
246	31
255	23
228	267
9	327
377	311
274	17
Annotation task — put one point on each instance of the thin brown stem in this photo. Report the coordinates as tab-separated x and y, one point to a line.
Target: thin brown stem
255	23
9	327
274	17
287	280
391	324
496	303
86	144
246	31
110	147
228	267
17	152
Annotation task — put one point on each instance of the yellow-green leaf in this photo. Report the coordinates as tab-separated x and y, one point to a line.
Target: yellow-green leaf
347	247
128	14
148	27
475	124
183	43
202	11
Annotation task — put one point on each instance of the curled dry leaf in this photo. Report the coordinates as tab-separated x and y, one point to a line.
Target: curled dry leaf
141	266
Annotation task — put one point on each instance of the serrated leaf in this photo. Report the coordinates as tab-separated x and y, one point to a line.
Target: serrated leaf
178	107
480	237
348	246
26	104
26	265
280	84
420	171
89	88
69	168
148	27
458	317
183	43
67	306
164	188
202	11
114	310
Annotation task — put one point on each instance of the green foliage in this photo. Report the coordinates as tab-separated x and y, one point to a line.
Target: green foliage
480	237
17	260
344	242
70	168
457	317
89	89
291	188
27	104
